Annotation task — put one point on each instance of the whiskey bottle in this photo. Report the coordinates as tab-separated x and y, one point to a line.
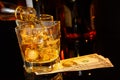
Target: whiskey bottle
17	11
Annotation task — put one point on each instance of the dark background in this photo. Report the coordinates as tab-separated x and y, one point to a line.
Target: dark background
108	42
108	35
108	29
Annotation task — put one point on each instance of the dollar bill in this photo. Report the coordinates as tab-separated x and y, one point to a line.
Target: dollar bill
86	62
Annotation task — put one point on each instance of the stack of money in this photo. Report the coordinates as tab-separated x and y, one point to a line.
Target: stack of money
86	62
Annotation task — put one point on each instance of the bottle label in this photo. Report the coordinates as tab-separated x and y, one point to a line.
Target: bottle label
68	16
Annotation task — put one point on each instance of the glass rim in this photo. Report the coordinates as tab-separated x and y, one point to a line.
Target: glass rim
42	25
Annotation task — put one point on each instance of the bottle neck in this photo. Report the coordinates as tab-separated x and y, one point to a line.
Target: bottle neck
20	12
6	7
29	3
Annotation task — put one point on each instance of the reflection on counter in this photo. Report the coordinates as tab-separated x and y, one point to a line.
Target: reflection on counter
32	76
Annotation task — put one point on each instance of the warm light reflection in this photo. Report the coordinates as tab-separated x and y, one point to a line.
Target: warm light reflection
62	54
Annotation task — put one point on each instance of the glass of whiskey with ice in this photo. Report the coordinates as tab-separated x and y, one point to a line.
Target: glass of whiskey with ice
39	42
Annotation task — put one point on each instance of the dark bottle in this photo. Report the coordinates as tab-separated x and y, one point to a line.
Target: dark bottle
77	23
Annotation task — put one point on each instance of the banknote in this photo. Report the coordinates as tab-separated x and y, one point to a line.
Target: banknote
80	63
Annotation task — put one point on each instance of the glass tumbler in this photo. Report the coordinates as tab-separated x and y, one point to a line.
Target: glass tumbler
39	44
